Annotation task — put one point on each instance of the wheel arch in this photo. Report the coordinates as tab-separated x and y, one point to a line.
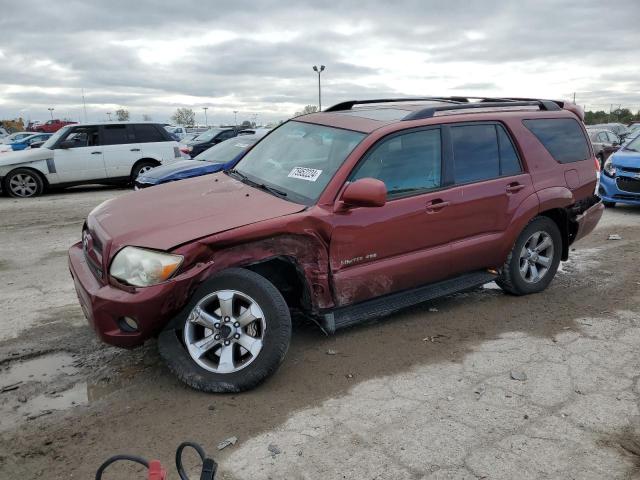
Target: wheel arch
40	173
145	159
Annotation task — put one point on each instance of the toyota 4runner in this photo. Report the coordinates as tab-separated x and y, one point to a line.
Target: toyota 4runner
343	216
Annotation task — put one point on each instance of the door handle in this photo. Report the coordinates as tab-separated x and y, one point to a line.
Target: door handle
96	153
514	187
436	205
134	150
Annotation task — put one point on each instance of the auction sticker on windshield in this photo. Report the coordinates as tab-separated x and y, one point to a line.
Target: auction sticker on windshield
304	173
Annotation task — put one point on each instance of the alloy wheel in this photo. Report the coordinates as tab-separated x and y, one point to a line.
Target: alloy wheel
536	257
225	331
23	185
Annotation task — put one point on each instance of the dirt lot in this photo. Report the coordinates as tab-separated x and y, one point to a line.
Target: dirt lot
477	385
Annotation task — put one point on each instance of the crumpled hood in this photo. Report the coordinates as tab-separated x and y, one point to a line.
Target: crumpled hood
25	156
626	158
175	213
182	166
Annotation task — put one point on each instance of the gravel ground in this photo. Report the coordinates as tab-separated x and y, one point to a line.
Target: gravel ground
476	385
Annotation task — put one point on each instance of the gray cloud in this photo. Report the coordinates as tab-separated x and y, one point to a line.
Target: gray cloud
49	52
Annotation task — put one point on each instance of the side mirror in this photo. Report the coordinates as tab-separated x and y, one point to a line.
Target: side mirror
67	144
366	192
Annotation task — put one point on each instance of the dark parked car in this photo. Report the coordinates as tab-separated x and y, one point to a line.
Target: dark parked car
604	142
219	157
208	139
619	129
343	215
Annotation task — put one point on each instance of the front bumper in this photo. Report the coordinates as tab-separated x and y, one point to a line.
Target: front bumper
105	305
609	191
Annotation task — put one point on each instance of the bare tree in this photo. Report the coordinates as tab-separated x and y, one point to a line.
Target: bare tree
122	115
306	110
184	116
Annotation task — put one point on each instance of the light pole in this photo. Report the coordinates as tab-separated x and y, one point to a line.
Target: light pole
109	115
319	71
206	122
51	111
235	118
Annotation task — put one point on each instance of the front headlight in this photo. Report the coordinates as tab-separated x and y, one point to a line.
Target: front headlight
609	169
142	268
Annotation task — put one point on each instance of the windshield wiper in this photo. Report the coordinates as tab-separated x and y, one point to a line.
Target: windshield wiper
632	150
262	186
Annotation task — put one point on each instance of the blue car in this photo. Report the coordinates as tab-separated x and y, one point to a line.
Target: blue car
28	141
217	158
620	178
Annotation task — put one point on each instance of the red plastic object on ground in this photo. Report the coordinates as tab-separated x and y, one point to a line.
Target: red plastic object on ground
156	471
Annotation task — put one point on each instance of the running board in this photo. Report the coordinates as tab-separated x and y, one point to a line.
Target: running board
381	306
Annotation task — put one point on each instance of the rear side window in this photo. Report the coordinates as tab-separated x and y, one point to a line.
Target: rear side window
482	152
562	137
114	135
148	133
407	163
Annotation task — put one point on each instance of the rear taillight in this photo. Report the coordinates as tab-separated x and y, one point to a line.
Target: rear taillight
185	150
595	159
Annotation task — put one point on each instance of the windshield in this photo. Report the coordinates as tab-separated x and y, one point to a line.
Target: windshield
206	136
54	138
633	145
226	151
299	158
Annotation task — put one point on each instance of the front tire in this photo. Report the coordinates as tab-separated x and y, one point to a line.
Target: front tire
231	336
609	204
534	259
23	183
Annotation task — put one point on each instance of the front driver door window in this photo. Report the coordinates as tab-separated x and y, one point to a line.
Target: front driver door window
404	243
82	159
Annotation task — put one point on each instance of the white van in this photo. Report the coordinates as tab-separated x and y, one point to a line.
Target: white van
105	153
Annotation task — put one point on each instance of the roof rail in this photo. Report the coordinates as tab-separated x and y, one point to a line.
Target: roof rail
349	104
486	103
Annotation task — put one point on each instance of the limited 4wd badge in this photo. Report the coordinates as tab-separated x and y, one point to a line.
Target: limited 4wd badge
304	173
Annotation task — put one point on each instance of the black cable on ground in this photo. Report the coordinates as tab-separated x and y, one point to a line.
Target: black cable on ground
116	458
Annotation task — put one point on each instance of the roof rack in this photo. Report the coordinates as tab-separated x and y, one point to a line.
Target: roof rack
349	104
453	103
484	104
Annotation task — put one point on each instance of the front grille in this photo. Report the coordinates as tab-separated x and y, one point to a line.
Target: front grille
630	185
92	249
630	169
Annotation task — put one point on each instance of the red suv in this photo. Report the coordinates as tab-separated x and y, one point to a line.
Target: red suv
342	216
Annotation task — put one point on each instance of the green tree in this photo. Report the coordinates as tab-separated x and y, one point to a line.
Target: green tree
122	115
184	116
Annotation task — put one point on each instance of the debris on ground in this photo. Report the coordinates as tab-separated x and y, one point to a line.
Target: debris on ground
212	407
38	415
274	450
331	352
225	443
349	375
614	236
8	388
518	375
434	338
479	391
433	309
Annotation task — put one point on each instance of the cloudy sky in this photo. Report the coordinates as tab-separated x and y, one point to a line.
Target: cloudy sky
256	57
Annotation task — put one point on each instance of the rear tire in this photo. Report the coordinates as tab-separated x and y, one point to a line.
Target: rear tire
194	352
23	183
534	259
143	166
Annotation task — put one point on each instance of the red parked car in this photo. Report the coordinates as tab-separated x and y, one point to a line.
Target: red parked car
51	126
344	215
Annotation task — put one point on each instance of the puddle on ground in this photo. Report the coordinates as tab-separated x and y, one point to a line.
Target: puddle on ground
44	374
38	369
